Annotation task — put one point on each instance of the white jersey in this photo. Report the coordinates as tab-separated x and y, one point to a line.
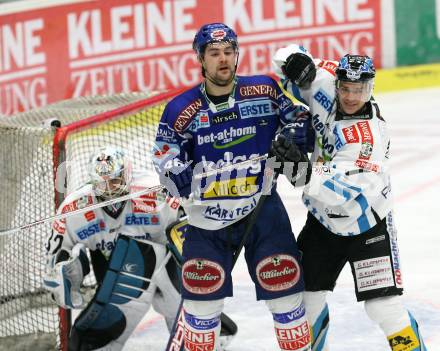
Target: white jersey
144	217
352	185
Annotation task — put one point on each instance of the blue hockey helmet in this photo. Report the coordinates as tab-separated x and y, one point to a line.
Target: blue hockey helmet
213	33
355	68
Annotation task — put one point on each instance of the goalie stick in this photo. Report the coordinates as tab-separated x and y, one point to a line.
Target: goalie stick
320	169
82	210
231	167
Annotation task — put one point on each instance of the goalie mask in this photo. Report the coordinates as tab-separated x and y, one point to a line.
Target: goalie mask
110	173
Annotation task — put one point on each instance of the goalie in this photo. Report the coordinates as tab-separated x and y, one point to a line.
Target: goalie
128	248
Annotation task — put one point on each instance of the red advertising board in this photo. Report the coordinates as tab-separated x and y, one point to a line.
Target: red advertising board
107	46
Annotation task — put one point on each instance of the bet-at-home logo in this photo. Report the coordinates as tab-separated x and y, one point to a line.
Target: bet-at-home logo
227	137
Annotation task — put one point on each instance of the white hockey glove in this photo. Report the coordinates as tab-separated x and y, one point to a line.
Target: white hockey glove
65	274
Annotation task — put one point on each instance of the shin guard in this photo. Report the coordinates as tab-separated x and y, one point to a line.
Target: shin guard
291	326
398	325
318	316
202	325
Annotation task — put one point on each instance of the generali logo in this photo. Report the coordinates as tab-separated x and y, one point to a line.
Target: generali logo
186	115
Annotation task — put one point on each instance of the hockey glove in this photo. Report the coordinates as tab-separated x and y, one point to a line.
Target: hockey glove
295	164
300	69
181	177
284	149
301	131
65	276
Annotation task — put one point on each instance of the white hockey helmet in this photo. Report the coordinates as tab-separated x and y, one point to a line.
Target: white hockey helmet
110	172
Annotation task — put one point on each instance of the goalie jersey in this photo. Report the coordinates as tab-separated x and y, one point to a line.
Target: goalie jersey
193	129
350	189
143	217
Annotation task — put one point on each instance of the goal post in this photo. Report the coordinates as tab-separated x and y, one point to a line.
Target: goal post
41	161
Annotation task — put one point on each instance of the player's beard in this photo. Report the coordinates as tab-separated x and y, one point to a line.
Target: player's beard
219	79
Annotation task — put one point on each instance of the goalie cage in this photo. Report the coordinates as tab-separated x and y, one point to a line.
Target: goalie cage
32	151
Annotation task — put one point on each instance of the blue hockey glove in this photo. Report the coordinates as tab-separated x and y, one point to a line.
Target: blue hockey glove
181	177
285	150
295	164
300	69
301	130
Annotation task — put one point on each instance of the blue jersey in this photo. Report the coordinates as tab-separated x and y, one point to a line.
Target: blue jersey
193	129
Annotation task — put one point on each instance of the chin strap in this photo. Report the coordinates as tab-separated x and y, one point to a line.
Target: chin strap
223	105
364	113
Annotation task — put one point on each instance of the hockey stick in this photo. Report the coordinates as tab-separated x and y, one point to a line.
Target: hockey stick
156	188
175	341
149	190
231	167
82	210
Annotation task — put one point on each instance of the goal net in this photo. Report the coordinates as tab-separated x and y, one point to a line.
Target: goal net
43	160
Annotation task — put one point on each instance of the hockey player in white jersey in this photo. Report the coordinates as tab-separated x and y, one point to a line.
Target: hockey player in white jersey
349	196
127	243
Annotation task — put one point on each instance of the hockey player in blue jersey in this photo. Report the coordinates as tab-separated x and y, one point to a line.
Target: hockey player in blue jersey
227	120
349	201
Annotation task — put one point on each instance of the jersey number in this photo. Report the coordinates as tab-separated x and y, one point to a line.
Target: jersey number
57	241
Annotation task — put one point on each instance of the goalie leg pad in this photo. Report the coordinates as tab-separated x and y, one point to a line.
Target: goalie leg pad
167	297
123	298
291	326
96	327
